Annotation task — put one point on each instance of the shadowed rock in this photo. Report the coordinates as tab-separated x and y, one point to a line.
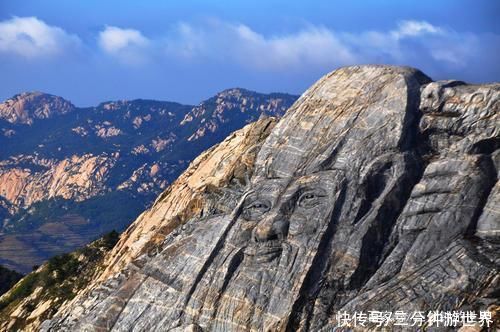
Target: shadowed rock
376	191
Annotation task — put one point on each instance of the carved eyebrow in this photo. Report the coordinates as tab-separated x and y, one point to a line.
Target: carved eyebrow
250	197
312	178
294	191
313	189
308	180
269	187
259	194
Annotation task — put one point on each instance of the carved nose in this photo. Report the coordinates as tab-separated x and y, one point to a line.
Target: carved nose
273	227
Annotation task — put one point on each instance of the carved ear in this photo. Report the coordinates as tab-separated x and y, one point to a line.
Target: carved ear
373	181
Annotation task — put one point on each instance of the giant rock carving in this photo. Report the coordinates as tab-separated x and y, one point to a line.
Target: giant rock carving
377	190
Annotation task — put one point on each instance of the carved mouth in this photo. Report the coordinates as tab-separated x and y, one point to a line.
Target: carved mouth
265	249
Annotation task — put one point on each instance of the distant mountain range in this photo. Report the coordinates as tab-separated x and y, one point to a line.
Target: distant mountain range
70	174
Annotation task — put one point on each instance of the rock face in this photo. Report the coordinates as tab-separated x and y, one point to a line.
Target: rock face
195	191
77	178
38	295
24	108
378	190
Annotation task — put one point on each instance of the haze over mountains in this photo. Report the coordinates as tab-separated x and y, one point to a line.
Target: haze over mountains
70	174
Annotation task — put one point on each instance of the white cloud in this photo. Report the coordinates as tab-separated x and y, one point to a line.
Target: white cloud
313	46
128	45
415	29
30	37
113	39
415	43
221	41
412	42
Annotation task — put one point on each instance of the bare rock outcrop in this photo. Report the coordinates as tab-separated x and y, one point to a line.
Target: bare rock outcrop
26	107
77	178
230	104
378	190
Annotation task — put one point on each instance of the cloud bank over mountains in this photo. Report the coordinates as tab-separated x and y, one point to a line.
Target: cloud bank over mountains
190	60
221	42
30	37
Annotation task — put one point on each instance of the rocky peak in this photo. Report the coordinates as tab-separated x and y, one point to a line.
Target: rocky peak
230	104
24	108
376	191
234	92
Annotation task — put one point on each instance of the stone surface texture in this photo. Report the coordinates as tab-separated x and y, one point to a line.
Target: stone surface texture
378	190
77	178
26	107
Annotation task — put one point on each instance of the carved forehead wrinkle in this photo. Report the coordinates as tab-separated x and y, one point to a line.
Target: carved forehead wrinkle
336	119
285	188
267	188
317	178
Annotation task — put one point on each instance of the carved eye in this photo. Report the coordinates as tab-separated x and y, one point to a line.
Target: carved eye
257	206
255	209
311	198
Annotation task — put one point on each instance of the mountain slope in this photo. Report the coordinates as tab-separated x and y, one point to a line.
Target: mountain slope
195	193
64	170
376	191
7	279
38	295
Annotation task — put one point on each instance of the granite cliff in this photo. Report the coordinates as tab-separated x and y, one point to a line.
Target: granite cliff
26	107
378	190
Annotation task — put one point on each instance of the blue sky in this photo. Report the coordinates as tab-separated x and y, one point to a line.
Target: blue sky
90	51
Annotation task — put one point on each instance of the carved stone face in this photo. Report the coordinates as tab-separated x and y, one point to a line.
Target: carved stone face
461	111
279	214
279	229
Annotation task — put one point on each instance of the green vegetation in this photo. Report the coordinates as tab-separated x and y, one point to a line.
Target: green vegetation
7	279
61	277
21	290
110	239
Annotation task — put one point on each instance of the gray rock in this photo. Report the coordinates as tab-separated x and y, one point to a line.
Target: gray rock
378	190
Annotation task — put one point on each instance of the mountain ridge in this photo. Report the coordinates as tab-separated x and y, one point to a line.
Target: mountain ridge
53	167
25	107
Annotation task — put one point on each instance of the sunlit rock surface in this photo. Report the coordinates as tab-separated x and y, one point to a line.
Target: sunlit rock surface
377	191
24	108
